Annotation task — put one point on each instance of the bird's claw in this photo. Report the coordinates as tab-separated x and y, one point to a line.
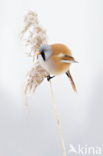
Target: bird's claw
49	77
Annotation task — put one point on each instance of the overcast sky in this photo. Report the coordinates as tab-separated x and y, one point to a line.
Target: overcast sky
79	25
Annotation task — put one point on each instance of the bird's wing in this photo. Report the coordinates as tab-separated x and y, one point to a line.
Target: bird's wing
68	59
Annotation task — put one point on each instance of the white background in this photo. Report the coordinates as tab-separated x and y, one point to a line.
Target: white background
78	24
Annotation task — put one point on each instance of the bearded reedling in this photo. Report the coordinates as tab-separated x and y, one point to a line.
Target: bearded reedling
56	59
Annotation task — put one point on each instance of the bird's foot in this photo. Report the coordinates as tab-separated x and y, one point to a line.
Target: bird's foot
49	77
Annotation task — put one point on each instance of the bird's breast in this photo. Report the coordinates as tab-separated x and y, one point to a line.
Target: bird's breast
54	66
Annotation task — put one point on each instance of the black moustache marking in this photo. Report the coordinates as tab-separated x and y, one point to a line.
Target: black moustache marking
43	55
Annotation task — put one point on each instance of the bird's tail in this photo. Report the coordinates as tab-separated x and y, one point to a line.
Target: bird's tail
71	80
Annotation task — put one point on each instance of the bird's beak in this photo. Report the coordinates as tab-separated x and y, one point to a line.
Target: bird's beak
38	53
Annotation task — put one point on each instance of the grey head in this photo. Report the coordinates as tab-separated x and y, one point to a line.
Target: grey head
45	51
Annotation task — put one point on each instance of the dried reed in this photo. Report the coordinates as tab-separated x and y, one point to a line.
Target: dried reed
34	36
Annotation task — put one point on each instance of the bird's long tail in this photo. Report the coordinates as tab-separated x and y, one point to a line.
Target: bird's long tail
71	80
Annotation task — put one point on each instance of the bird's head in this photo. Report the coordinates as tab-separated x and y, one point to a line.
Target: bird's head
45	52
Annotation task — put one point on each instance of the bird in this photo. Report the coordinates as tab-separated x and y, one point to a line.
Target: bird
56	59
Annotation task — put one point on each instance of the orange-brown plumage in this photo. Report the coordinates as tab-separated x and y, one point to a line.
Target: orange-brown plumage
59	66
56	59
